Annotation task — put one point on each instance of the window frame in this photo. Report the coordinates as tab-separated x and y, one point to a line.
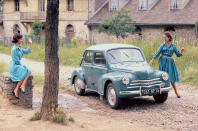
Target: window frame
42	5
175	5
85	62
103	65
143	2
70	5
17	5
116	5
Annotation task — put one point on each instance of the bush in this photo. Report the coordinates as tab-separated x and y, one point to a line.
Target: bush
59	116
36	116
71	119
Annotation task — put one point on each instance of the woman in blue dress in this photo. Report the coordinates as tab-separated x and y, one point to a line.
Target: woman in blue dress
166	62
19	73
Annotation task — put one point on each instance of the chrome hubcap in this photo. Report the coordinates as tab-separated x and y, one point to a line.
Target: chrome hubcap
111	96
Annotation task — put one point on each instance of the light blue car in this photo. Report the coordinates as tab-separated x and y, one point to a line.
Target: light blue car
117	71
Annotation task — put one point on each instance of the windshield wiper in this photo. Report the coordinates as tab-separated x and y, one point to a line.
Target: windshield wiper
115	59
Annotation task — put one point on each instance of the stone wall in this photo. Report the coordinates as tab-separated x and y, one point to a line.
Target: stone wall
7	86
150	32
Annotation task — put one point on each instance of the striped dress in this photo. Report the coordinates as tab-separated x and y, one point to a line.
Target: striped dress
166	62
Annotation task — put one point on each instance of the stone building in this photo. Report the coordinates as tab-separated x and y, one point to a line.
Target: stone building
20	14
152	17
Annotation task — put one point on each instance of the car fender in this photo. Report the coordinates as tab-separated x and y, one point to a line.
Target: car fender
79	73
112	77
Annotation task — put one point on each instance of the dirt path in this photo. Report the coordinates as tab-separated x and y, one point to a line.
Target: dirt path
92	114
37	68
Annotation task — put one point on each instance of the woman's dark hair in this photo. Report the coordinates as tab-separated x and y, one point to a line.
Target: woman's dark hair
168	34
16	38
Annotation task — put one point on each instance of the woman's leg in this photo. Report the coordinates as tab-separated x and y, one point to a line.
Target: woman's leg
24	81
16	90
175	89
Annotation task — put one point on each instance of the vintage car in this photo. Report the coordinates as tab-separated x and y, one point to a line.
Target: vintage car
117	71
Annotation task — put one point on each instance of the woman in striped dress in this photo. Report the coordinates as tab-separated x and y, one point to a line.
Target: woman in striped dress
166	62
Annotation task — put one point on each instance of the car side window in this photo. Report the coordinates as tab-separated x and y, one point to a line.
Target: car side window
99	58
88	57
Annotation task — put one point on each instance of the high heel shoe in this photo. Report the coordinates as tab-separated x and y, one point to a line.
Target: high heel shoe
13	93
22	90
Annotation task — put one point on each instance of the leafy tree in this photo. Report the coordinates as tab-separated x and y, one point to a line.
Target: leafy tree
37	28
119	25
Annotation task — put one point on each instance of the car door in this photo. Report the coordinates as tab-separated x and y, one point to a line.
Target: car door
100	68
87	67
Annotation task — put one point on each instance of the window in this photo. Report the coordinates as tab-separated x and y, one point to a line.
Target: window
124	55
16	5
175	4
88	57
169	28
114	5
70	5
99	58
42	5
143	4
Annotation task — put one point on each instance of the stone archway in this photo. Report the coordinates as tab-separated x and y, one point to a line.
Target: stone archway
70	33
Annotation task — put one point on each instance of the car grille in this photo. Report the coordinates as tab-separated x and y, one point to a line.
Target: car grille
146	83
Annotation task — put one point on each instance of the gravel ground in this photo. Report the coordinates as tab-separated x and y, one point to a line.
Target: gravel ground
175	114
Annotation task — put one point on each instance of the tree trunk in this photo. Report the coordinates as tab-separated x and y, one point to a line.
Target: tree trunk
51	82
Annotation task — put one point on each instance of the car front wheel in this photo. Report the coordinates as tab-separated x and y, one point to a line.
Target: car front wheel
160	98
113	100
79	86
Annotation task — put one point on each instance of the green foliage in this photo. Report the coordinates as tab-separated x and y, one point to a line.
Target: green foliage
59	116
37	28
119	25
38	80
71	119
36	116
74	42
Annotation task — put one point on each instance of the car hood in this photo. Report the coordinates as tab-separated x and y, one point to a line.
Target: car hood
140	71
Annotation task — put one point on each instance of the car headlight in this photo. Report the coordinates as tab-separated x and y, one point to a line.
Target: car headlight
125	80
165	76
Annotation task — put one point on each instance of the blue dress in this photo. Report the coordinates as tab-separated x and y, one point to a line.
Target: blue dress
17	71
166	62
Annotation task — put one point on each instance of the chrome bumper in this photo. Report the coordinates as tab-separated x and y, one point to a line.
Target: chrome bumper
138	92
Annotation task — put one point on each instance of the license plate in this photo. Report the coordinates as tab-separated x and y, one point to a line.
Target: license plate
150	91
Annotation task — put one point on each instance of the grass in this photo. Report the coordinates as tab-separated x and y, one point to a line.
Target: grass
71	56
36	116
3	67
59	116
38	80
71	119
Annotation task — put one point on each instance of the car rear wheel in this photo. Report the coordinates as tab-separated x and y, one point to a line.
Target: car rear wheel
160	98
113	100
79	86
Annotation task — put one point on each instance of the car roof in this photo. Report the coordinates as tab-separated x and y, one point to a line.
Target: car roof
105	47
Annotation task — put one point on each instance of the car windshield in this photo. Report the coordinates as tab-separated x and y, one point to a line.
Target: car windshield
124	55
